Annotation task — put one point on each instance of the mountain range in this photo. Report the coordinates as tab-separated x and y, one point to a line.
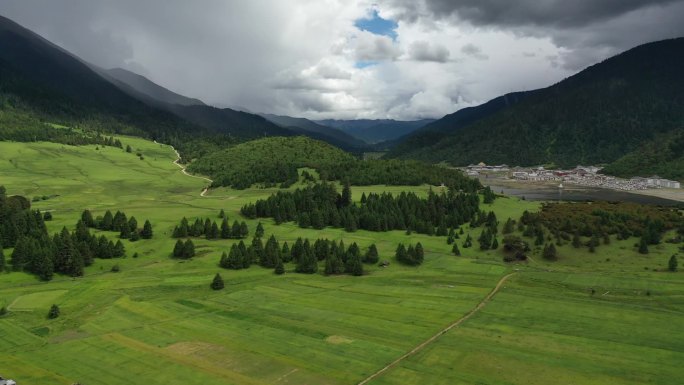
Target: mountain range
626	112
609	111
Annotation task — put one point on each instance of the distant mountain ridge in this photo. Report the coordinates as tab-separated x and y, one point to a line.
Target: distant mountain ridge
375	131
594	117
312	129
146	88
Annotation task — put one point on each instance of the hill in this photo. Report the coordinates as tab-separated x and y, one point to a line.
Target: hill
276	160
307	127
268	160
596	116
663	156
375	131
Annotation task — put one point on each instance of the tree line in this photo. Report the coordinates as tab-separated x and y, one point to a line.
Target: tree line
127	227
210	229
321	205
592	224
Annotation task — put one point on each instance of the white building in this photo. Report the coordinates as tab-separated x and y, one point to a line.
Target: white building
7	382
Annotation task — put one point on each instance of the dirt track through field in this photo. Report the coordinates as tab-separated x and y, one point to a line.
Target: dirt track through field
441	332
184	171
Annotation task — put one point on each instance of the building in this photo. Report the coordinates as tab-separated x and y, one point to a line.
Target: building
7	382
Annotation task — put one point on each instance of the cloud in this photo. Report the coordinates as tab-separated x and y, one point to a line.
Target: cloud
371	47
400	59
424	51
474	51
549	13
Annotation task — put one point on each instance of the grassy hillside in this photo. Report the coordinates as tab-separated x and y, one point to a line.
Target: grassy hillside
158	320
596	116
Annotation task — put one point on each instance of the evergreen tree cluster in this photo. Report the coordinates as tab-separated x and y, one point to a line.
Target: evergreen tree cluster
320	205
127	227
184	250
412	256
274	160
65	253
210	229
38	253
597	222
304	254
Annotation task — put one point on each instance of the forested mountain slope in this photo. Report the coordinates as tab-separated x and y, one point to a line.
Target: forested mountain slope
596	116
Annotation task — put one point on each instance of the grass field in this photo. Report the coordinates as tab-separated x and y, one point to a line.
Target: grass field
156	321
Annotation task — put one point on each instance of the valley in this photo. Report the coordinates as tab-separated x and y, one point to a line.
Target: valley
335	235
158	317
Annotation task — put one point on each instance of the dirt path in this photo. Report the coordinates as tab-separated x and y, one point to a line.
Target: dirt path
441	332
184	171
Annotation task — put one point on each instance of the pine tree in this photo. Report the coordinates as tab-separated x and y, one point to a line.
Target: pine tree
508	226
244	231
2	259
576	241
217	282
285	253
455	250
87	218
225	229
643	246
346	197
672	264
146	232
132	225
495	244
420	255
279	268
401	253
222	214
178	249
371	255
54	312
259	230
107	221
188	249
549	252
354	265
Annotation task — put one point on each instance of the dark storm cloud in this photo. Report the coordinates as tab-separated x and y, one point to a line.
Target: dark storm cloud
590	30
549	13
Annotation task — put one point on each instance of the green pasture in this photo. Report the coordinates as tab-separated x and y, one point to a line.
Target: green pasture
156	321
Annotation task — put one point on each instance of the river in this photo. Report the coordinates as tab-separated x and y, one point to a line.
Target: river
551	192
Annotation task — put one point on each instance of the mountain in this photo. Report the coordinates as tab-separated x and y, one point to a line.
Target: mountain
375	131
596	116
317	131
662	156
54	84
439	129
238	123
147	90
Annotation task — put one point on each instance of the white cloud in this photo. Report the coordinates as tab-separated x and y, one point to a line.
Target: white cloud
301	58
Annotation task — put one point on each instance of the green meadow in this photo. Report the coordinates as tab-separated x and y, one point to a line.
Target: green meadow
156	321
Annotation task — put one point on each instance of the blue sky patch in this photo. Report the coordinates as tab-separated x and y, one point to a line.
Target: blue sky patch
365	63
377	25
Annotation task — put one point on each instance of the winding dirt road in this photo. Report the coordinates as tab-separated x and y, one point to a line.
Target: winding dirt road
184	171
441	332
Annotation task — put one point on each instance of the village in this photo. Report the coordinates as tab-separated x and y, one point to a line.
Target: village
580	175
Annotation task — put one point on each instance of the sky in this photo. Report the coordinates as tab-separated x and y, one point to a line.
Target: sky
343	59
